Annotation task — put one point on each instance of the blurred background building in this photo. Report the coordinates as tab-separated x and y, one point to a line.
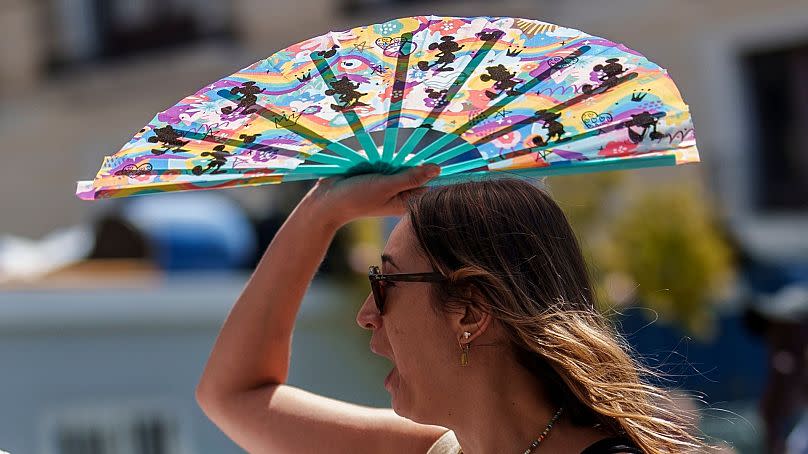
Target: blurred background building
79	77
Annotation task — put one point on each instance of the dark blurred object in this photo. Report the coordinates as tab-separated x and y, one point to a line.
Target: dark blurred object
115	238
203	230
165	25
335	263
365	6
779	111
110	29
782	321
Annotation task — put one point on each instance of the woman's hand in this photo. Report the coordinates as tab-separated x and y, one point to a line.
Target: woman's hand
341	200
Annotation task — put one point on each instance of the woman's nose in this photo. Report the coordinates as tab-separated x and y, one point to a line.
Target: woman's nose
368	316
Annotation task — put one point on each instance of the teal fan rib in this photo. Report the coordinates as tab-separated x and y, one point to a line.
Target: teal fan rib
350	116
452	173
350	156
459	149
396	99
448	154
445	140
418	134
243	145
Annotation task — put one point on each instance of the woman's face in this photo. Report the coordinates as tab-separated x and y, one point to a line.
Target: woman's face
419	342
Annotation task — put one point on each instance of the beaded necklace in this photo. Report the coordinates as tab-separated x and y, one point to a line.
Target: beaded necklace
535	443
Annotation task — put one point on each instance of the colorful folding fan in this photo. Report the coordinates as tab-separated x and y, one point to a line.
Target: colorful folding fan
476	95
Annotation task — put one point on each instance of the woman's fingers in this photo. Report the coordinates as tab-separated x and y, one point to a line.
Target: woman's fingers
347	198
405	185
411	178
397	206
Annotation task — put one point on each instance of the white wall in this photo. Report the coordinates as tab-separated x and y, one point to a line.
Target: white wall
65	350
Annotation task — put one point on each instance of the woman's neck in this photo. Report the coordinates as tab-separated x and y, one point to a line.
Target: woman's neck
505	409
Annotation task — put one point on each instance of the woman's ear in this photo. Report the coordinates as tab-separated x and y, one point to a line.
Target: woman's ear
476	322
471	318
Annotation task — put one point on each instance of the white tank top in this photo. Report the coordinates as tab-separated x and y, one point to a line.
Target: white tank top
446	444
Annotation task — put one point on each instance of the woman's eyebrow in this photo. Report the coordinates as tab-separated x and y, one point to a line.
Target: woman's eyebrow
387	259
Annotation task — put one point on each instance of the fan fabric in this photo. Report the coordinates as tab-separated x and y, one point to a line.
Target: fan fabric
476	95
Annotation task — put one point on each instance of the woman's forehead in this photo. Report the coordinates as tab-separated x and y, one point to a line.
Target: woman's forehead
400	245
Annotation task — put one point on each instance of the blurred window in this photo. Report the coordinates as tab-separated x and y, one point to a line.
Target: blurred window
86	31
115	430
363	6
777	87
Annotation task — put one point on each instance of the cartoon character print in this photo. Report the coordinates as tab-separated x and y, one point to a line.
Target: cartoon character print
644	121
553	127
608	74
170	138
447	47
503	81
248	138
328	53
218	158
249	97
439	97
611	70
347	94
489	35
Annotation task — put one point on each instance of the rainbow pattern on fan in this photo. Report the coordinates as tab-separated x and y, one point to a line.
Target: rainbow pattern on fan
477	95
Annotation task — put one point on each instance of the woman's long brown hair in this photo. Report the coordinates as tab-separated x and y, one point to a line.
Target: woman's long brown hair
507	248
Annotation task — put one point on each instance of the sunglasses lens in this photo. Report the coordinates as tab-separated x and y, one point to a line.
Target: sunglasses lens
377	287
378	294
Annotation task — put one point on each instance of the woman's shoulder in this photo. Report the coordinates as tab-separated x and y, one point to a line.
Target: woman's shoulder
446	444
613	445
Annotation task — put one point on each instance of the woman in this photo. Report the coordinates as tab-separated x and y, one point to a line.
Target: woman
484	306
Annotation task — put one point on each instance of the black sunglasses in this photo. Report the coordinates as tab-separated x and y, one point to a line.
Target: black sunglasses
376	278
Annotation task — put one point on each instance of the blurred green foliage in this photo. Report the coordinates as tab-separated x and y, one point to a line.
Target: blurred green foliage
650	243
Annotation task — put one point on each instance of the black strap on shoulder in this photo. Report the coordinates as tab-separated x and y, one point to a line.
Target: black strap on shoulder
613	445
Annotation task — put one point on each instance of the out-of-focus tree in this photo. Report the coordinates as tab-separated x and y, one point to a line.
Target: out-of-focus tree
656	245
584	197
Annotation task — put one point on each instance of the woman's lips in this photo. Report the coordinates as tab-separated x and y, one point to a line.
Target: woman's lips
379	352
389	377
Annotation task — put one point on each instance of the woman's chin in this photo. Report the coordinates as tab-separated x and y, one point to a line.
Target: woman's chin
398	408
391	383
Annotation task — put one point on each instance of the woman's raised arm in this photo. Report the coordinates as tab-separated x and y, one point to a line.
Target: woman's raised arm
242	388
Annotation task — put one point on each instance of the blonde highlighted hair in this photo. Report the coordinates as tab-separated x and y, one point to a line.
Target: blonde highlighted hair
507	247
